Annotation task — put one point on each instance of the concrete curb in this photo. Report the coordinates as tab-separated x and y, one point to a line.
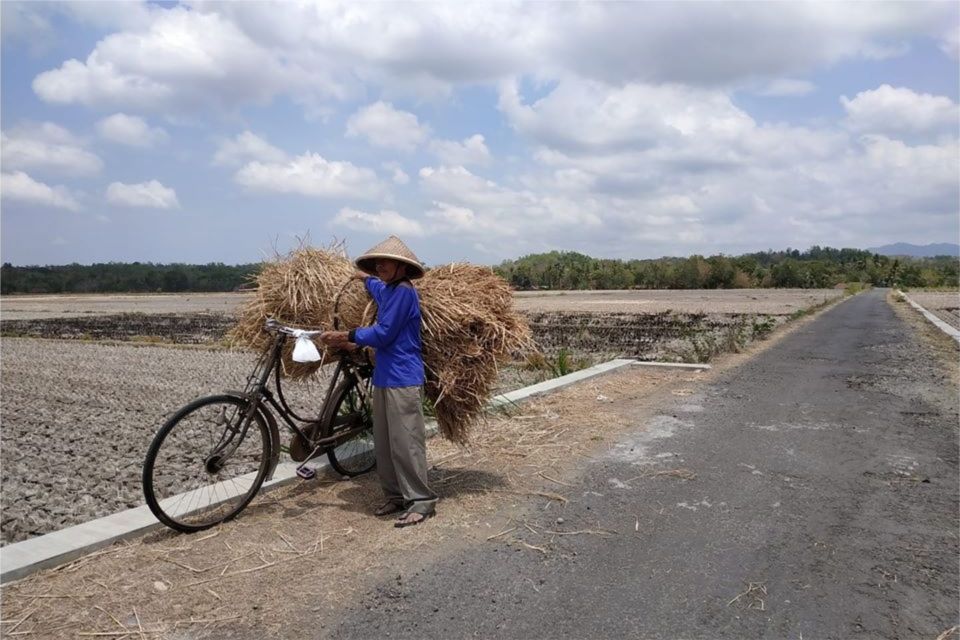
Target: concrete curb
940	324
23	558
672	365
557	383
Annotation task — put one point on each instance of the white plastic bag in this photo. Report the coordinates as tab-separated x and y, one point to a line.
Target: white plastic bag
304	350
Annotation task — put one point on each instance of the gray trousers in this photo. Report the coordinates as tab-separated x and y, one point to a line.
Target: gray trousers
399	439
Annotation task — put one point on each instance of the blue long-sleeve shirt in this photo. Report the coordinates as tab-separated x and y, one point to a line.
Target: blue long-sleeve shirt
395	336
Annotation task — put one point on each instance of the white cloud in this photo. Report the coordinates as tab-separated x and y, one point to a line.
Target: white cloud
245	147
229	54
900	110
586	116
384	126
472	151
182	61
414	48
36	24
719	44
634	138
122	15
47	146
22	23
950	43
469	202
787	87
424	45
20	187
311	174
447	216
400	176
397	174
385	222
144	194
677	169
131	131
925	162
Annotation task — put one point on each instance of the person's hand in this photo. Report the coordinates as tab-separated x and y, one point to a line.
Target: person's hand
349	346
360	275
334	338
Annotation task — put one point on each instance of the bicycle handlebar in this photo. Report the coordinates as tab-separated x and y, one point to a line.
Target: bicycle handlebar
273	326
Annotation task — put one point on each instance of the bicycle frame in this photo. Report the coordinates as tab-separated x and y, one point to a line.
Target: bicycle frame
261	398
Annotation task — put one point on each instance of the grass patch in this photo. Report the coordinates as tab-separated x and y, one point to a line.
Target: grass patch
762	327
559	364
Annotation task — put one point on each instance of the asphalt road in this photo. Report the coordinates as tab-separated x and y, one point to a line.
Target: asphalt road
824	506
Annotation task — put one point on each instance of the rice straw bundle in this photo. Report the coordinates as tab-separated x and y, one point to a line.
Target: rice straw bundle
299	289
469	325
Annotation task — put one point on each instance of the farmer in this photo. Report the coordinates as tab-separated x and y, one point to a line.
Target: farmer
399	435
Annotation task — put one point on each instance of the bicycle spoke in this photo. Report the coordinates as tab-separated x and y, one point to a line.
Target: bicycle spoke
352	416
192	487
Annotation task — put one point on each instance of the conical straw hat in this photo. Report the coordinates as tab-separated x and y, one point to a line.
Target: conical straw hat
394	249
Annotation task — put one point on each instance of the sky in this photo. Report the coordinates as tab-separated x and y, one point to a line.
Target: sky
229	131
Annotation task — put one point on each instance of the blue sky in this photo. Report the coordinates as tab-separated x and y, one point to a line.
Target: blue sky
222	131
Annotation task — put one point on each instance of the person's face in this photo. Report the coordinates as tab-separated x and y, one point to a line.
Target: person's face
389	270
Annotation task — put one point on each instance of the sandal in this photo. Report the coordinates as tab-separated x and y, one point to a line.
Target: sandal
402	522
387	508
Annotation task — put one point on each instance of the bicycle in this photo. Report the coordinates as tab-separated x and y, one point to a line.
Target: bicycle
210	458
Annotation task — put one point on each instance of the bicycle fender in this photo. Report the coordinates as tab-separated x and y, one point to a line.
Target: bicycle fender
271	421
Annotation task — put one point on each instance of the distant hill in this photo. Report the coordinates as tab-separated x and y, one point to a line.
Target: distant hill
916	250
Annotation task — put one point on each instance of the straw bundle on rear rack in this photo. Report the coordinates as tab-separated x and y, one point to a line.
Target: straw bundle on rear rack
469	324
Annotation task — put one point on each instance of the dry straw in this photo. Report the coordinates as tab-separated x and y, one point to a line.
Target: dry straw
469	324
299	289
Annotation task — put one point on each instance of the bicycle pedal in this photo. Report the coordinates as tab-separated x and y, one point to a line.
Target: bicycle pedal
306	473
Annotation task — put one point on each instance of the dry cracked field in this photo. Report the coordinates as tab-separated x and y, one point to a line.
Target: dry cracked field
31	307
943	304
78	415
773	302
751	301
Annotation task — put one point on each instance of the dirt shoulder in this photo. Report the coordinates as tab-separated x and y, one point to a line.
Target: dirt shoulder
944	348
304	552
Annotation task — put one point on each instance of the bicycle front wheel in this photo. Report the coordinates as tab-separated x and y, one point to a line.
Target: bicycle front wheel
350	418
206	463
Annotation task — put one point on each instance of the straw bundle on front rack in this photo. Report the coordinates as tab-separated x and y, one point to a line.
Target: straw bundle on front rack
469	324
299	290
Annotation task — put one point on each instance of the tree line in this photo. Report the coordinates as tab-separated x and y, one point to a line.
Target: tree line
815	268
119	277
818	267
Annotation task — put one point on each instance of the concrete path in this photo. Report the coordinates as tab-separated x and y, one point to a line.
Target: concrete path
824	505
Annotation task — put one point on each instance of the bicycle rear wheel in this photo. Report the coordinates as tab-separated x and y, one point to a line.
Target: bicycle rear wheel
351	416
204	465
